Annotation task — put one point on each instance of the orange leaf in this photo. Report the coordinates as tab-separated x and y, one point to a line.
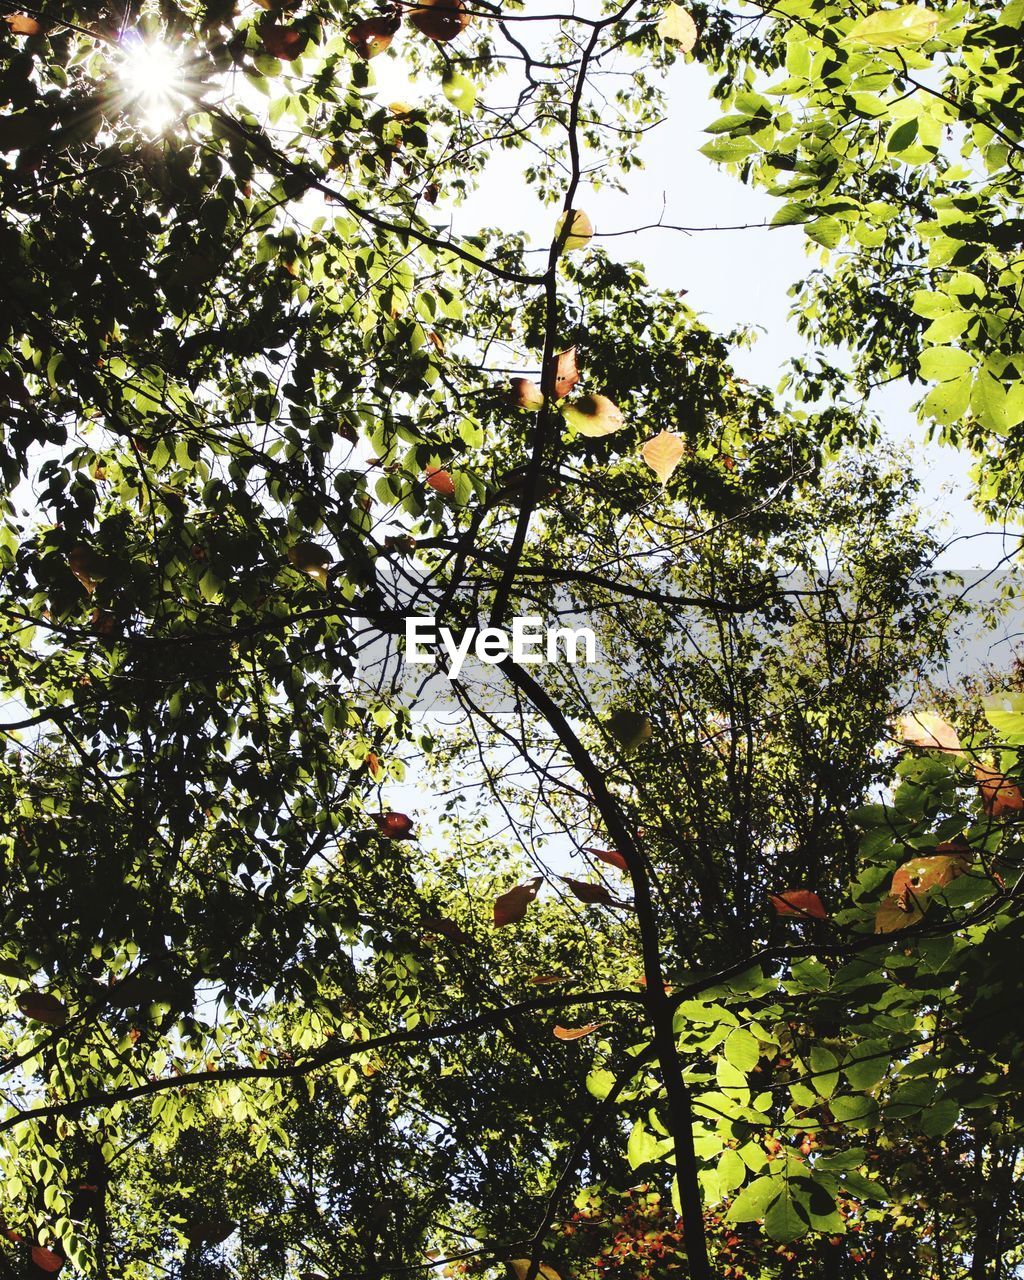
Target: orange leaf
925	729
663	453
801	903
373	35
396	826
611	856
999	795
441	481
21	24
372	762
510	907
921	875
576	1033
566	372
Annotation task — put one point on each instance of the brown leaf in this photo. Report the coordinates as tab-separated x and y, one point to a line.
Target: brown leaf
440	20
999	795
663	453
446	928
396	826
21	24
373	35
372	762
510	907
594	416
40	1006
436	341
209	1230
896	913
526	394
925	729
548	979
576	1033
88	566
566	373
592	894
611	856
309	558
286	43
798	902
46	1259
440	480
921	875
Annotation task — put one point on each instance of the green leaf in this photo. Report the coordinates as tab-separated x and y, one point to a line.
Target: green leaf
459	90
901	28
600	1083
868	1064
825	231
940	1118
825	1065
754	1199
988	402
742	1050
729	150
791	214
939	364
784	1220
731	1171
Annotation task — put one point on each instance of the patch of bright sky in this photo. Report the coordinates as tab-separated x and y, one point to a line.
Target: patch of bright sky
732	277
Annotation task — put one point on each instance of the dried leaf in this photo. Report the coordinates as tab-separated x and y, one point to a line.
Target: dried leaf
576	1033
40	1006
999	795
440	480
679	26
88	566
921	875
446	928
510	907
46	1259
611	856
594	416
592	894
663	453
286	43
802	903
396	826
309	558
526	394
581	229
20	24
548	979
566	373
373	35
925	729
439	20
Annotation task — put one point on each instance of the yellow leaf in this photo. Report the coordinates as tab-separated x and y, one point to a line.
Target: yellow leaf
679	26
520	1269
594	416
911	25
580	229
663	454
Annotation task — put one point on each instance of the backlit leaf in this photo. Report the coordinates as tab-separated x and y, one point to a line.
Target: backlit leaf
592	894
999	795
581	229
663	453
677	25
510	907
611	856
593	415
926	729
905	27
798	902
566	372
576	1033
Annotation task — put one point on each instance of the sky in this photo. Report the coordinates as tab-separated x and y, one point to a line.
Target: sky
732	277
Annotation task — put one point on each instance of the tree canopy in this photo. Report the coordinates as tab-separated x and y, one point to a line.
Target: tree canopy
698	960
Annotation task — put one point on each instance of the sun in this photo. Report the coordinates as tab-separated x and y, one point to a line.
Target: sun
153	78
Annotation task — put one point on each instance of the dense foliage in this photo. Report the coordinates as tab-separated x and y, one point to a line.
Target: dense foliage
698	961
